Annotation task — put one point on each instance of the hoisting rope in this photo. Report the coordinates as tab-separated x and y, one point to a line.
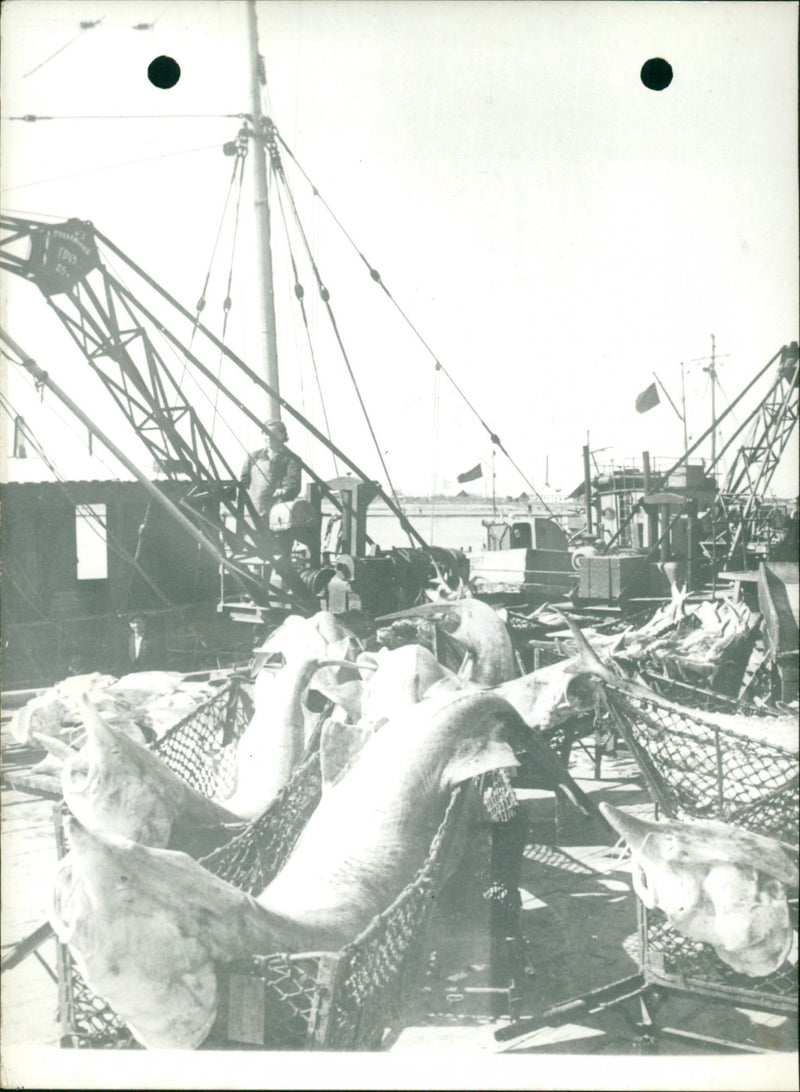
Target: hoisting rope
228	302
271	138
299	292
376	277
241	153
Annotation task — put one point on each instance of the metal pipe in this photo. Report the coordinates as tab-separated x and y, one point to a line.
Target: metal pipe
269	343
652	515
587	483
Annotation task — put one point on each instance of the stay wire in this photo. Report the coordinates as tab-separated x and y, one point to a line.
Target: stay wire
108	167
30	118
201	303
83	29
228	302
376	277
325	296
299	292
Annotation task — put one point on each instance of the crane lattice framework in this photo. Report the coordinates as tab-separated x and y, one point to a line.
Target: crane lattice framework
120	338
742	497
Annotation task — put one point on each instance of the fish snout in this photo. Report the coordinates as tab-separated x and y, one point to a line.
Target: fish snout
632	829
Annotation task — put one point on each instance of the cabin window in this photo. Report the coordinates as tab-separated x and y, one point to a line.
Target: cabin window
91	541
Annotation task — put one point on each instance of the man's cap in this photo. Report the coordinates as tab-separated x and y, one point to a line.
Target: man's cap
277	429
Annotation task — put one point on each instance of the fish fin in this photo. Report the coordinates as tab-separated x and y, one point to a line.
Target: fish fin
467	663
340	744
56	747
474	757
587	659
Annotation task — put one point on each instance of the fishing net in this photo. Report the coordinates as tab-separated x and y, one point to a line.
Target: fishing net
251	859
377	972
343	1001
86	1019
671	959
269	1002
201	748
695	769
697	697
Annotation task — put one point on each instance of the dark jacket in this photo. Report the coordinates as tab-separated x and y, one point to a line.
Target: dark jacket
271	479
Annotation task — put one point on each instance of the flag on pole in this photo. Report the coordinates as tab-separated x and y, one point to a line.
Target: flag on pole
471	475
647	399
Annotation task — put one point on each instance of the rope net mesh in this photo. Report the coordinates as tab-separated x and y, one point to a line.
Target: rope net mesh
673	959
201	748
88	1020
251	859
377	972
696	770
293	1002
267	1002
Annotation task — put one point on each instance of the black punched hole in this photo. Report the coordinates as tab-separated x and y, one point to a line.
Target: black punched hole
164	72
656	73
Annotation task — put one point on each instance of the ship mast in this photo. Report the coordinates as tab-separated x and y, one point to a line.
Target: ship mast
269	344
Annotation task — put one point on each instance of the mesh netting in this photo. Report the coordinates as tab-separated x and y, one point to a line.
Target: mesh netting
251	859
697	697
695	769
275	1001
89	1020
267	1002
673	959
201	748
377	972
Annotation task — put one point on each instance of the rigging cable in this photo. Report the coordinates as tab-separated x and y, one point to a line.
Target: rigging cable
115	117
299	292
109	167
201	302
227	302
83	28
179	352
376	277
325	296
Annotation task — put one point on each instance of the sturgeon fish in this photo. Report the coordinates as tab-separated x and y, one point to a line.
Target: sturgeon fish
371	830
717	884
395	679
145	925
295	642
116	785
392	679
550	695
479	629
275	738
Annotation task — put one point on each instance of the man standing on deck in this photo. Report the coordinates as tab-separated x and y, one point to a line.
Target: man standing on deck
272	475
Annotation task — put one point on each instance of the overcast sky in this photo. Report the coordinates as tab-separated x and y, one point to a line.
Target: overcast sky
555	230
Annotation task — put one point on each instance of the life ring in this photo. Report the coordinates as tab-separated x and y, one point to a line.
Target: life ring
582	552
